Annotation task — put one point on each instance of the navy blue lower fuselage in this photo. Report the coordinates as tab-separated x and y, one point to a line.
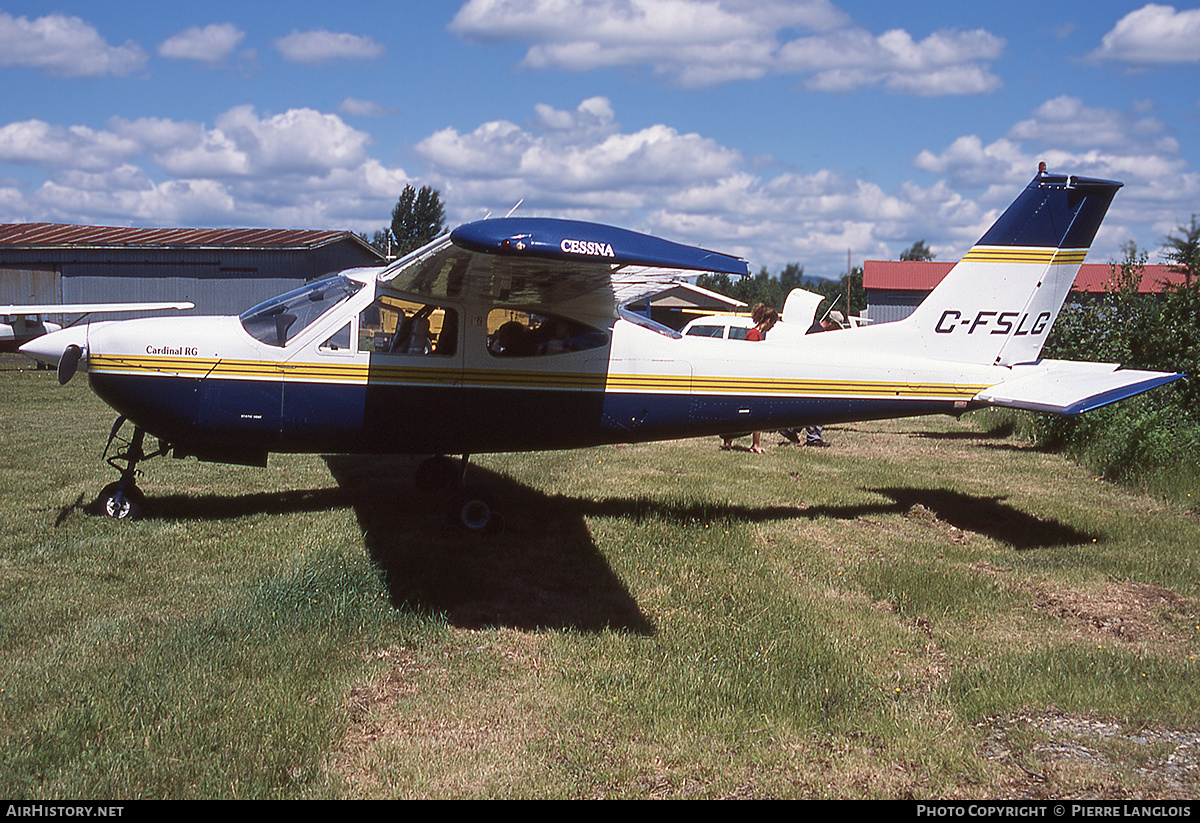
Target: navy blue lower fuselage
244	420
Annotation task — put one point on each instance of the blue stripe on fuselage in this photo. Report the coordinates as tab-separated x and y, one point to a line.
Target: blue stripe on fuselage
311	417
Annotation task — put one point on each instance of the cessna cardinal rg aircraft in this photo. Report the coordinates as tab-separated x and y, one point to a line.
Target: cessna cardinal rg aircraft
510	334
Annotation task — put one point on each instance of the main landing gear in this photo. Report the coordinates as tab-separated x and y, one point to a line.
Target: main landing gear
470	508
122	499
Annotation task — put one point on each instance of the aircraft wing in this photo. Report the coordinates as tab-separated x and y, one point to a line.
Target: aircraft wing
547	260
89	308
1069	387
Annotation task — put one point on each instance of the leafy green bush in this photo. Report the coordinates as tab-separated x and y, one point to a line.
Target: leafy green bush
1153	440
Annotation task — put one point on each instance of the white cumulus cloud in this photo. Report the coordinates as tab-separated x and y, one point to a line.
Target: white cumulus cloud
1153	34
326	46
707	42
210	44
66	46
300	167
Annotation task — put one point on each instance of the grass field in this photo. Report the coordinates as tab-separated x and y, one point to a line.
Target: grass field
924	610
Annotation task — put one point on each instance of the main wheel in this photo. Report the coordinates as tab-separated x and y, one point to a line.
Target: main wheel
476	513
121	503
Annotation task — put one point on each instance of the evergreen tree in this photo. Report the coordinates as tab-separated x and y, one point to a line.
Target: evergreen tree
417	219
917	251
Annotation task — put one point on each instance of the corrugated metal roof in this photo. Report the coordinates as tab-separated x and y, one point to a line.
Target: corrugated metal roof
921	275
904	275
59	235
1097	277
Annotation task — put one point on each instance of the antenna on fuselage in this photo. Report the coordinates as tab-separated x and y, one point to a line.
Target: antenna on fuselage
514	208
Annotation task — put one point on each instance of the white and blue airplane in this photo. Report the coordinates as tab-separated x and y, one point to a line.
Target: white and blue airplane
511	334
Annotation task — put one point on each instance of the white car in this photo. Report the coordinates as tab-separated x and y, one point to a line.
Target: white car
727	326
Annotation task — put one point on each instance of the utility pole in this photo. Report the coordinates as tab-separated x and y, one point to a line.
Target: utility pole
848	270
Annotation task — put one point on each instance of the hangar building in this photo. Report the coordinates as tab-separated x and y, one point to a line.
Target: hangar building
222	271
682	302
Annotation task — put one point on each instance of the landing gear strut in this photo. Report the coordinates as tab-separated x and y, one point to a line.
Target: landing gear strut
122	499
470	509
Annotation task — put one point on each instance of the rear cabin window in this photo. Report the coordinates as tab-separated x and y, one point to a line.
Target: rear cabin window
516	333
392	325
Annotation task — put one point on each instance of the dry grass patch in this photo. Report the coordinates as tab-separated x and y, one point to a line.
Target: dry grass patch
1151	617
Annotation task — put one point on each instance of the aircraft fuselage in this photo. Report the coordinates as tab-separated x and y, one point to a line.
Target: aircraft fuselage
212	389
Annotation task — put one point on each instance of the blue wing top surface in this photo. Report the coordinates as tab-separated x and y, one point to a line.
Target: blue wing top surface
542	260
550	238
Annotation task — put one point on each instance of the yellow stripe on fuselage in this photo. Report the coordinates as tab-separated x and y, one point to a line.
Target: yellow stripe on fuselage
376	374
833	388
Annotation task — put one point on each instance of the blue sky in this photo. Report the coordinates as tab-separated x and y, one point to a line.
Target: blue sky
780	130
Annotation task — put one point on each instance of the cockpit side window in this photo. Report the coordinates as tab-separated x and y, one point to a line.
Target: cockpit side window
516	333
278	320
393	325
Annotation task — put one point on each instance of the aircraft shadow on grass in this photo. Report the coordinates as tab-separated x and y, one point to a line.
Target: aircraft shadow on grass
543	570
986	516
998	439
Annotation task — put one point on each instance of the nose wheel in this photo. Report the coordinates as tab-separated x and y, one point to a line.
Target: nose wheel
122	499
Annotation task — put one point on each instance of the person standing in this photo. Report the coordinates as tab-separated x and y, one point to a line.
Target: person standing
815	435
767	318
764	318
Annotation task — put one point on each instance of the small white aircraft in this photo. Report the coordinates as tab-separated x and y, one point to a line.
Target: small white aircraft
20	324
511	334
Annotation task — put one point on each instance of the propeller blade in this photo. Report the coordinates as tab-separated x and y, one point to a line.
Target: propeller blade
68	363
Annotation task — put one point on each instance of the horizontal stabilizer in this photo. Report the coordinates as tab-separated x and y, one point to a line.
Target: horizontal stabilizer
1068	387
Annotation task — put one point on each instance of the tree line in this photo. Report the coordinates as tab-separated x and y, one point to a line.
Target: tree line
846	293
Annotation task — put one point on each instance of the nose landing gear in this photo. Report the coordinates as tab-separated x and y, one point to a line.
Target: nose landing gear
122	499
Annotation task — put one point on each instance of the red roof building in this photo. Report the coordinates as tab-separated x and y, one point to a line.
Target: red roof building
895	287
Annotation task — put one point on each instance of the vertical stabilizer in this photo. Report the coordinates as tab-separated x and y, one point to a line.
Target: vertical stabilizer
997	305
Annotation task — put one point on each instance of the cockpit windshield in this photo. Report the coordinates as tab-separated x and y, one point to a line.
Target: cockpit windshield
278	320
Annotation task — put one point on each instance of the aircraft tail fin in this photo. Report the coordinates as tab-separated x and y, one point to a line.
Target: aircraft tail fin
997	304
